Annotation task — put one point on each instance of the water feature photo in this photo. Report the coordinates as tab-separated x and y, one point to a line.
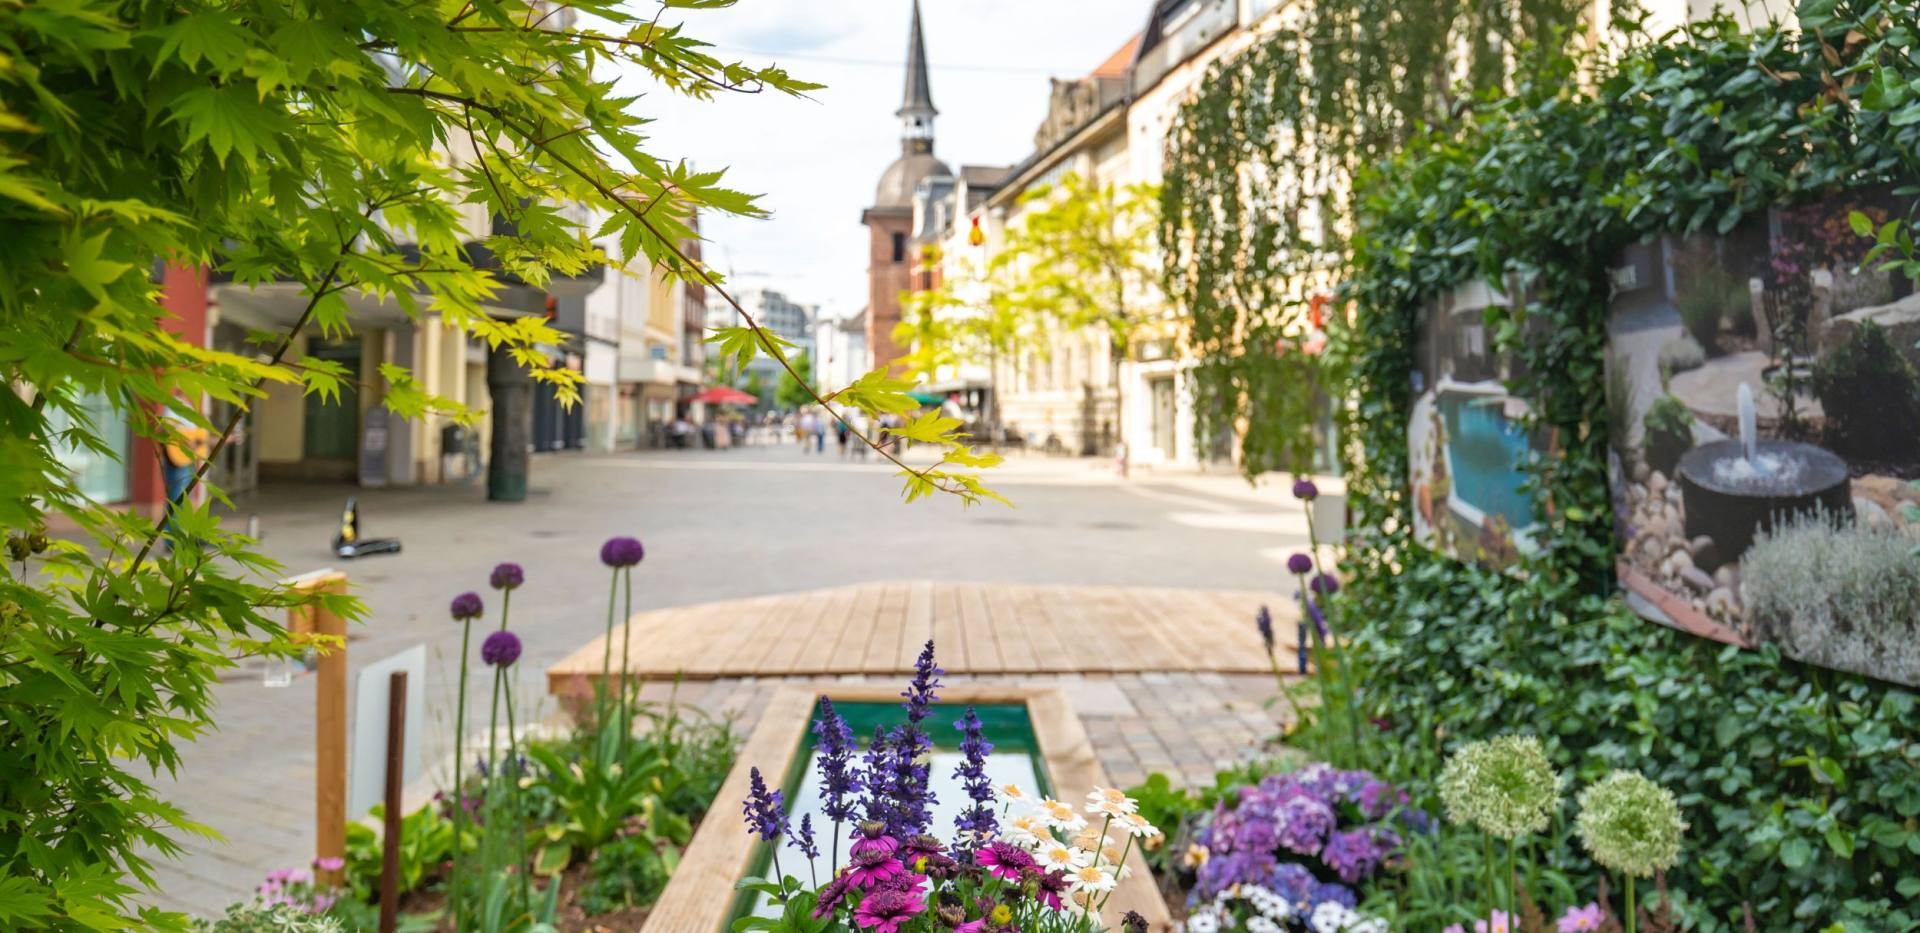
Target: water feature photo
1467	447
1764	392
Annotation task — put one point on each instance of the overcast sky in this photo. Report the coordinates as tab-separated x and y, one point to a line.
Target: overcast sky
816	161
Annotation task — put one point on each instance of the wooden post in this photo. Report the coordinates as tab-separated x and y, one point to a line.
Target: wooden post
396	763
330	722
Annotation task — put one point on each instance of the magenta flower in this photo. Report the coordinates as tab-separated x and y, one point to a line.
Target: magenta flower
869	868
1454	928
831	895
1581	918
884	910
622	551
506	576
1050	887
500	649
1500	922
466	606
1004	860
872	840
332	863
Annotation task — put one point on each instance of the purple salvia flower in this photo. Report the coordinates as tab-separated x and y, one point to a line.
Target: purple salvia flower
764	809
1302	643
803	838
876	778
1305	490
622	551
920	692
838	779
1319	618
500	649
1263	620
977	821
506	576
1299	564
466	606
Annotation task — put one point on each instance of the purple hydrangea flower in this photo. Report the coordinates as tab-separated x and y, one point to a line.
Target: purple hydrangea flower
1352	855
1305	490
1263	620
622	551
506	576
467	606
1294	882
1376	799
1331	892
1299	564
1303	824
764	809
500	649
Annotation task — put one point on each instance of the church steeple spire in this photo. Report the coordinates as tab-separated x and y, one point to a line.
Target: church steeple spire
916	111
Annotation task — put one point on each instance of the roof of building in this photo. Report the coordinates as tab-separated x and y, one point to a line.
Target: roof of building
904	175
919	92
1116	64
985	176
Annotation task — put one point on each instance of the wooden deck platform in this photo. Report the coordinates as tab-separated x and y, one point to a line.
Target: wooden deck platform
979	629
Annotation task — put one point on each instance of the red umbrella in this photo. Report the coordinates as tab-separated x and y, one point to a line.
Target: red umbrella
724	395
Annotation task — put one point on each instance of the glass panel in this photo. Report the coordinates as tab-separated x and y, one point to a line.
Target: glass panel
101	477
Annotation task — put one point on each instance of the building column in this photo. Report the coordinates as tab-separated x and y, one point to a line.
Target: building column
507	457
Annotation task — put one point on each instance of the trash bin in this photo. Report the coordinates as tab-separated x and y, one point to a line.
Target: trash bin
453	450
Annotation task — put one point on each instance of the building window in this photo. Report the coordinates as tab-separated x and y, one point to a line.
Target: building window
899	247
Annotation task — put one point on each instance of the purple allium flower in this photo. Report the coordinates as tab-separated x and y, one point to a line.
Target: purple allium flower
1299	564
506	576
1003	860
500	649
1303	824
1263	620
1325	584
976	822
467	606
1352	855
1305	490
838	780
803	838
764	809
622	551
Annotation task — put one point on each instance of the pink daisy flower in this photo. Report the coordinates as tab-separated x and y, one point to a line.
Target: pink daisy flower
885	909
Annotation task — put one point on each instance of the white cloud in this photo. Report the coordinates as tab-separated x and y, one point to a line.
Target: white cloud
816	161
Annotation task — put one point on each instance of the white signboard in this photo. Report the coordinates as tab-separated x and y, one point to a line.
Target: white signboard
367	772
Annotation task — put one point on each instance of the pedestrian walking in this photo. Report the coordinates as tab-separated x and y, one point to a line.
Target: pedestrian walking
820	435
840	432
189	446
807	425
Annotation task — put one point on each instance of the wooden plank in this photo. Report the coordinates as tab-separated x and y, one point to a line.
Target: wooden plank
1048	643
746	629
1153	649
917	628
983	651
947	638
1085	646
883	649
329	721
850	657
1009	631
1236	636
1109	614
801	616
817	653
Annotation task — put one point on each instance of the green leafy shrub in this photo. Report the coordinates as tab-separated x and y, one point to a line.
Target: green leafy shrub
1838	594
1705	296
1871	396
426	841
1669	433
278	918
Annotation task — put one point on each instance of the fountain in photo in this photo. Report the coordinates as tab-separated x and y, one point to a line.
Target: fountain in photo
1733	489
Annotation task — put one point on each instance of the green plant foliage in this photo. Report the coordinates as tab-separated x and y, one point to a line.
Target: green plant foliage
426	842
1870	393
1805	783
1256	204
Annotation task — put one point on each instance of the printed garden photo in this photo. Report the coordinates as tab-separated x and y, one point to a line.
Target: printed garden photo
1466	448
1764	388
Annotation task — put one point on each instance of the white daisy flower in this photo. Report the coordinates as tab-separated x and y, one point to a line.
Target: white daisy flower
1059	855
1092	878
1011	793
1262	925
1026	830
1137	825
1060	816
1110	802
1330	917
1203	923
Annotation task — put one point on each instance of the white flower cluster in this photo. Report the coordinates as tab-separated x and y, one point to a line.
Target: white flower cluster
1092	854
1258	909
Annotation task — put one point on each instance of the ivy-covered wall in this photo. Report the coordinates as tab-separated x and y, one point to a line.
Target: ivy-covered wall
1802	785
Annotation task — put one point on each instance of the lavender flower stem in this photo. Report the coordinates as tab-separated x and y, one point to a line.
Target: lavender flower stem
626	664
606	651
513	801
459	770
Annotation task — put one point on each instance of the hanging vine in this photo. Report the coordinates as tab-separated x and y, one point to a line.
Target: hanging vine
1255	201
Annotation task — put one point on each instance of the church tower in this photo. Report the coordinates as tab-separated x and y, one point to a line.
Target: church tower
889	221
